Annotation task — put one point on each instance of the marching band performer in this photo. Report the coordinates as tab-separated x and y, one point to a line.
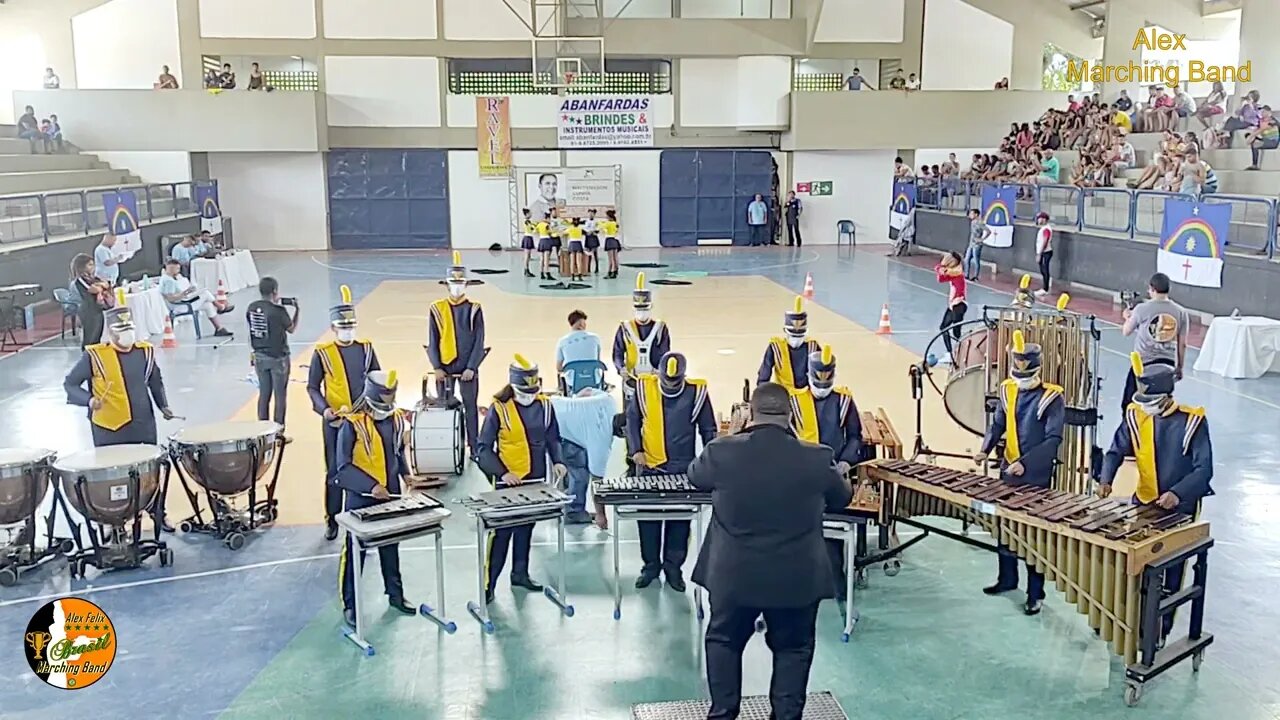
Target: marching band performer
786	361
670	412
519	434
641	342
122	381
118	380
370	467
337	372
824	414
455	346
1171	445
1028	419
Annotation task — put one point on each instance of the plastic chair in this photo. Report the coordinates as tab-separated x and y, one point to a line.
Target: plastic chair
581	374
70	309
176	311
845	228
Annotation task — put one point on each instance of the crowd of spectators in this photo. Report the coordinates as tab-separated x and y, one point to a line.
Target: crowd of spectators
225	79
44	135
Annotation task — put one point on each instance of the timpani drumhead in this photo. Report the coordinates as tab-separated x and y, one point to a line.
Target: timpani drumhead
24	481
103	459
437	444
230	431
965	399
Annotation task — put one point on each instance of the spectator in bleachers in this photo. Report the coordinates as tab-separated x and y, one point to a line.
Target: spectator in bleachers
55	132
51	79
227	78
1265	137
211	79
1213	105
255	78
1161	114
1210	180
913	82
856	81
1183	105
1245	118
897	82
1049	169
901	170
1072	104
1124	103
1024	140
1189	140
1002	84
1191	174
166	81
29	130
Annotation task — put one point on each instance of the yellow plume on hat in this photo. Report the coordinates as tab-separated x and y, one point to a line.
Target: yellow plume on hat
457	258
391	379
1063	299
1026	282
1019	342
1136	362
521	363
673	367
346	294
120	297
827	355
640	281
799	303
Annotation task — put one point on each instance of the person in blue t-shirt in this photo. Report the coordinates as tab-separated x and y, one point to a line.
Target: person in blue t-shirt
578	345
758	221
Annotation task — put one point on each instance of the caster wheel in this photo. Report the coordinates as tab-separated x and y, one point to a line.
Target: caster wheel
617	614
185	526
892	568
234	541
1195	660
67	547
568	611
1132	694
368	652
488	628
451	627
844	637
166	557
8	577
861	582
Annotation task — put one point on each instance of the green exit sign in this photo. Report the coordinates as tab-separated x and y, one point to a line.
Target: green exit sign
820	187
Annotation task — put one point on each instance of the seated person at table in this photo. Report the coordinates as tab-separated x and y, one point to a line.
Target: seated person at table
205	245
184	252
178	290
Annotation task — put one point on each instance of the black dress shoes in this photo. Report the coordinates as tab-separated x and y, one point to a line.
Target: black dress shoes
645	580
998	589
331	530
1032	607
675	582
403	606
527	583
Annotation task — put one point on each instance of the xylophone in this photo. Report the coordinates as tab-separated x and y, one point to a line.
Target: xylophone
412	504
516	501
650	490
1094	550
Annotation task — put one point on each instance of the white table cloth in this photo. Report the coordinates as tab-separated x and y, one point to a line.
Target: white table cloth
1243	347
236	270
148	308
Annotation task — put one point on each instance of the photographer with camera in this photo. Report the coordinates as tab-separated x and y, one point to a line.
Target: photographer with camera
270	324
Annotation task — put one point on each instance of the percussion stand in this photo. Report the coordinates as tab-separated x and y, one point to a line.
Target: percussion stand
657	512
19	557
486	522
122	558
223	522
362	544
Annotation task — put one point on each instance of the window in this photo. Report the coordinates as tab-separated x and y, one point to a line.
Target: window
817	82
514	76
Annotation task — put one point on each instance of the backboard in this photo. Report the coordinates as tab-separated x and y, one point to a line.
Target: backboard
568	64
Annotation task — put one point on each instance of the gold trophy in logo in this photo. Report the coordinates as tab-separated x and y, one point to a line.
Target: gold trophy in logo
37	641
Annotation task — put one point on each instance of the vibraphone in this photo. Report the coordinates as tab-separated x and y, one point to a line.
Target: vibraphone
1107	556
406	518
651	497
509	507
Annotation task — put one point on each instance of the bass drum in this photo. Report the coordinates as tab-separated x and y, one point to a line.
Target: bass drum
437	445
965	394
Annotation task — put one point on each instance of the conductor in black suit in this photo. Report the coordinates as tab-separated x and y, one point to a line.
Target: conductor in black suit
764	552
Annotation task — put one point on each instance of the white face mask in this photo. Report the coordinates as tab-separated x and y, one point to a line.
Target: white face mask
346	335
643	316
380	414
1152	406
125	339
525	398
457	290
1028	383
794	341
820	392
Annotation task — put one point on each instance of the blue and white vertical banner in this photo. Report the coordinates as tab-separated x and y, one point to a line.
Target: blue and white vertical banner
1191	241
997	213
121	209
904	201
210	210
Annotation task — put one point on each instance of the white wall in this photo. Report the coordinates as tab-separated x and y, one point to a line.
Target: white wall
382	91
123	44
751	9
964	47
152	167
380	19
494	20
641	171
861	185
748	91
539	111
878	21
257	18
479	208
278	201
22	64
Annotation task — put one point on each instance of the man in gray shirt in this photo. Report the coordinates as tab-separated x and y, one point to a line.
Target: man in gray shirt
1159	327
978	234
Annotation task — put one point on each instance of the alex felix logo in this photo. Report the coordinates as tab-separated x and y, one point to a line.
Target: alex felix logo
70	643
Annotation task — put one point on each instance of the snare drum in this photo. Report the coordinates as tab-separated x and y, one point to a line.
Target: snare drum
24	480
226	458
111	485
437	444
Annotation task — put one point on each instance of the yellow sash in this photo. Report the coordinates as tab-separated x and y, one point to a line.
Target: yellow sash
1142	432
653	431
108	385
369	455
631	352
804	418
442	310
782	373
513	441
1011	449
337	392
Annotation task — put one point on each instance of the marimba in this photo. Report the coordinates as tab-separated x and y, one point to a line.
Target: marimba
651	497
508	507
406	518
1108	556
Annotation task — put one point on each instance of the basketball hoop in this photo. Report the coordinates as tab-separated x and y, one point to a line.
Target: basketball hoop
568	79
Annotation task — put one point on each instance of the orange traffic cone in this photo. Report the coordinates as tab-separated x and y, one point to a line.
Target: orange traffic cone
885	328
170	340
808	286
221	297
